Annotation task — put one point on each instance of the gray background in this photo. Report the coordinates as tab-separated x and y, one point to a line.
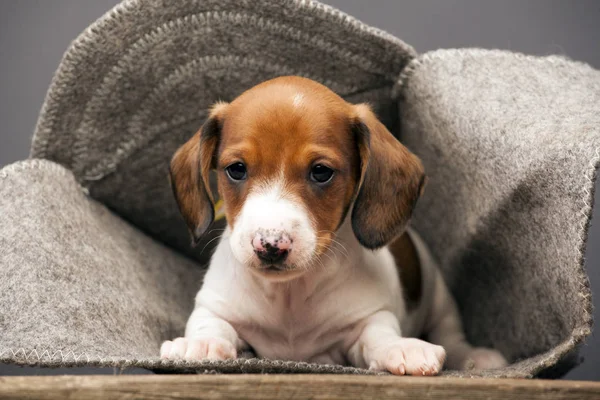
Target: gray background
35	33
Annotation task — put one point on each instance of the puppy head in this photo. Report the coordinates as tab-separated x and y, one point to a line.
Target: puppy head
292	158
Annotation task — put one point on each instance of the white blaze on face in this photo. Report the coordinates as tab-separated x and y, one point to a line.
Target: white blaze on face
298	98
270	208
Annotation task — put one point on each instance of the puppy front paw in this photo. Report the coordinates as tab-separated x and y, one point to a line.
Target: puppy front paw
211	348
483	358
409	356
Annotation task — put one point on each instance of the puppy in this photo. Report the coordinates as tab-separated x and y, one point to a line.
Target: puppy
317	263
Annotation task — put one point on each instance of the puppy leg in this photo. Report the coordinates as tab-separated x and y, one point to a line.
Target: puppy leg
444	327
380	347
206	336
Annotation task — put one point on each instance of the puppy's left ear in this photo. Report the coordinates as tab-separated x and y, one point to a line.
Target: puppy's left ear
391	181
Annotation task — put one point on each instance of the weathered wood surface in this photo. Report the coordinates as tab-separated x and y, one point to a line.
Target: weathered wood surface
288	387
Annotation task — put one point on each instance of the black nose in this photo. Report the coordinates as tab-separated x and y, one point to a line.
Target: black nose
272	254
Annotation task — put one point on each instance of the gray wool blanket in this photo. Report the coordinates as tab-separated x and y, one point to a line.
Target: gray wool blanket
96	266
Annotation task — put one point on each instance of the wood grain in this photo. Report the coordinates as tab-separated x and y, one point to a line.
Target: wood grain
288	387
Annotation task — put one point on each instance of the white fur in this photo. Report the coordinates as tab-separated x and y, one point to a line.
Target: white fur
298	99
345	307
269	206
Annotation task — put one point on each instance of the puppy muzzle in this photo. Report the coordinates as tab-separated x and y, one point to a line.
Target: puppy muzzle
272	247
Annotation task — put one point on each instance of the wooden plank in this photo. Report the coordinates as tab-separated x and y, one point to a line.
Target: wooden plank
288	387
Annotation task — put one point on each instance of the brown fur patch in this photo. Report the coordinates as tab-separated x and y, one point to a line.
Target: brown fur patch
409	269
392	182
280	139
280	129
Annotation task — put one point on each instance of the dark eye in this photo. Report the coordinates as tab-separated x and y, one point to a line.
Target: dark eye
320	173
236	171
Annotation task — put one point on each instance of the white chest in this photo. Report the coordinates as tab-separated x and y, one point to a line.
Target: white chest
315	318
290	325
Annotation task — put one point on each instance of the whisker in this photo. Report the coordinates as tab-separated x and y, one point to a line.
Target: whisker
235	270
333	240
215	230
331	258
341	245
248	258
340	250
310	266
210	241
320	262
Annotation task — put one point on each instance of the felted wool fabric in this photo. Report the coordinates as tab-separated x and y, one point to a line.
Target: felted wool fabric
511	145
137	84
96	266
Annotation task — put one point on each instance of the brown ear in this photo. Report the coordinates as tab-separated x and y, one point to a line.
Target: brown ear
189	173
392	179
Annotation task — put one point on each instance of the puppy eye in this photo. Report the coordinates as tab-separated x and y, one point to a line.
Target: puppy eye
321	174
236	171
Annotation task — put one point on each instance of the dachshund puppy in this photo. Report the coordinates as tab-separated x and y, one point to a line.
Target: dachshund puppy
317	262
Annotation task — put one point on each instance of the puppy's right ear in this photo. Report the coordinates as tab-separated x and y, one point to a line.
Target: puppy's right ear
189	174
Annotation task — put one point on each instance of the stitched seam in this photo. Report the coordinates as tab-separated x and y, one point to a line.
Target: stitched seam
70	61
59	358
351	22
58	355
584	224
73	57
200	21
24	165
552	356
110	166
33	357
129	145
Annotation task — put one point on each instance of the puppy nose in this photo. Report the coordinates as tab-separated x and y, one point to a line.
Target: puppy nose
272	247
